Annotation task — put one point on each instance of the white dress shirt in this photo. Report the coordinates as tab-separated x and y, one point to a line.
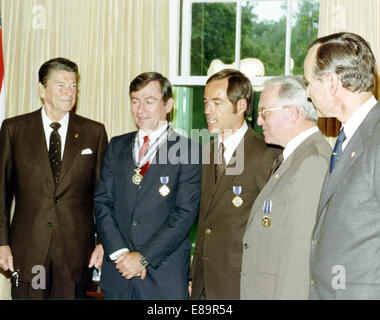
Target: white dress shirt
356	119
64	122
231	143
152	137
295	142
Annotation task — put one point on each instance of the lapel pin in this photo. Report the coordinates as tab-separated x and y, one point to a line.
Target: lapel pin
353	154
76	135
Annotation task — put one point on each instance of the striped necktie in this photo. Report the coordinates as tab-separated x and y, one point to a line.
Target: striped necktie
142	151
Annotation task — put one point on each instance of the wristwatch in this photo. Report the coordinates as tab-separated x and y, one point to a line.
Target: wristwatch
144	262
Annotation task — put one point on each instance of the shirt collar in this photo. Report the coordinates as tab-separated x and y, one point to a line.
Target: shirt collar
357	118
295	142
231	143
47	121
153	136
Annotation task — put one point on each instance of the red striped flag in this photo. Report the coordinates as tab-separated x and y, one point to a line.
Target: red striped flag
2	100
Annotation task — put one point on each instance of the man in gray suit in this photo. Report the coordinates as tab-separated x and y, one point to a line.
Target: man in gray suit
276	242
345	244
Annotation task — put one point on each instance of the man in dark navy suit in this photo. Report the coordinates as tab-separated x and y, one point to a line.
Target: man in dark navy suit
147	200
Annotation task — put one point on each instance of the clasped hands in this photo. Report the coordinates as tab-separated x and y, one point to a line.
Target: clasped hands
129	265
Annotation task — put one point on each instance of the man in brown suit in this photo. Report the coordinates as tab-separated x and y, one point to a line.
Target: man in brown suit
49	246
228	191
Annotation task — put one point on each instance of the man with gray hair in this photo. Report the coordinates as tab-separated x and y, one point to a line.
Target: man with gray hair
345	244
276	242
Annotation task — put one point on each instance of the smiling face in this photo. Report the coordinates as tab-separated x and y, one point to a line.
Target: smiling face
59	94
222	116
148	108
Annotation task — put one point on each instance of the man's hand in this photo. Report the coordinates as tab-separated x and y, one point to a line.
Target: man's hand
96	259
6	258
129	265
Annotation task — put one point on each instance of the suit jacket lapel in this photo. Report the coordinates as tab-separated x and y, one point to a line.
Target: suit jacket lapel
128	170
39	145
226	181
352	151
348	158
72	145
208	176
266	192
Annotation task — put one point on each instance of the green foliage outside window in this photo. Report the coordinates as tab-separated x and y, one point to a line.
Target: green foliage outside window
213	35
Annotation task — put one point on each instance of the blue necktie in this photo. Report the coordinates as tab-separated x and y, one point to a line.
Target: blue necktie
337	152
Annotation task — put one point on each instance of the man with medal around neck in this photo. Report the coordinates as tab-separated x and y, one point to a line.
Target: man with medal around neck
227	197
147	201
53	223
276	242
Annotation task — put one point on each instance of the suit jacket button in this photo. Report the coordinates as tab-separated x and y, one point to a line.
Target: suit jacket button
245	245
134	223
208	231
50	224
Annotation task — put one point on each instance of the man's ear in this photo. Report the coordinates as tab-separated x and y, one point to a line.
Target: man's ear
334	83
241	106
294	113
41	90
169	105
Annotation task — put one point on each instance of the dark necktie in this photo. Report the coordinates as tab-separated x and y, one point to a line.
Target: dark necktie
220	166
55	151
276	165
143	149
337	152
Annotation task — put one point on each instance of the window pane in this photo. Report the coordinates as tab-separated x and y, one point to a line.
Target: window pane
263	34
304	31
212	35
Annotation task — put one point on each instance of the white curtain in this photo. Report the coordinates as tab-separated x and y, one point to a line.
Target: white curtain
112	41
358	16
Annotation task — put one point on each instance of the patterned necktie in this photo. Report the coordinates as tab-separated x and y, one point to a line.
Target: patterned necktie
55	151
220	166
144	147
276	165
337	152
142	151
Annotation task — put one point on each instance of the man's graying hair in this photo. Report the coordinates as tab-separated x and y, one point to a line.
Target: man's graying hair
350	57
293	93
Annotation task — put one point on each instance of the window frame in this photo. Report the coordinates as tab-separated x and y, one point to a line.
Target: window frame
180	53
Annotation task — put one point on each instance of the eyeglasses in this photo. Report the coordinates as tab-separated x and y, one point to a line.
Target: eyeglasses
264	112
